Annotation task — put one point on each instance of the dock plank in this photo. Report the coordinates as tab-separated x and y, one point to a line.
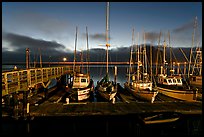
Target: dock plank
119	108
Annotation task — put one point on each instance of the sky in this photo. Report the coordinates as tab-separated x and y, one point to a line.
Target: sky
51	26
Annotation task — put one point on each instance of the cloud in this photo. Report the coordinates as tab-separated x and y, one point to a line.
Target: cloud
20	42
184	27
15	45
98	36
152	36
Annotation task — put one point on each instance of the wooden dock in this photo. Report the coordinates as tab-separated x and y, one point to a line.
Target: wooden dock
119	108
107	119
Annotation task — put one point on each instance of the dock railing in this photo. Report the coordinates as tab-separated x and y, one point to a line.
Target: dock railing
23	80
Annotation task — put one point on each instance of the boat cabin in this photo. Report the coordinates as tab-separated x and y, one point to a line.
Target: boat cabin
144	84
81	80
196	81
170	80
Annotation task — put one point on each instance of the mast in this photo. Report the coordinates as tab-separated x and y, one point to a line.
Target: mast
143	58
40	59
195	23
171	65
157	60
82	67
151	45
87	53
138	59
107	37
131	50
75	51
164	57
27	58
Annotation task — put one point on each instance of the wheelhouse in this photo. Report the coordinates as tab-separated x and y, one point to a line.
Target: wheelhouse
81	81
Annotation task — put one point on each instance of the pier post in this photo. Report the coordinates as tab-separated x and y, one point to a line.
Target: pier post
45	92
25	100
27	58
7	102
15	105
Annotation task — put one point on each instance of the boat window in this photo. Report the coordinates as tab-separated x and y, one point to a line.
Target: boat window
179	80
165	81
174	80
76	80
169	80
83	80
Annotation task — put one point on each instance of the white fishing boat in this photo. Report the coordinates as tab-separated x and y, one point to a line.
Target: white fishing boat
82	85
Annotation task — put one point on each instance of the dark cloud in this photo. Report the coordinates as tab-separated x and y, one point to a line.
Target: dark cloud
151	36
50	50
184	27
98	36
19	43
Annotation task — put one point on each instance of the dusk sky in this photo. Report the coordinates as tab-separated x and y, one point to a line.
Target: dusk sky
52	25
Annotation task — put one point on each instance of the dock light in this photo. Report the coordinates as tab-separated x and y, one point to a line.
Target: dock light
67	100
64	59
15	68
113	100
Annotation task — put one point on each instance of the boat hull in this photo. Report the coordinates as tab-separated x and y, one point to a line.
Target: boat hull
83	94
107	92
184	95
79	94
106	95
196	81
141	94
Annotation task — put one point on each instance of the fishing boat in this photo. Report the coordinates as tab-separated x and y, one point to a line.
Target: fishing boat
195	78
171	85
82	85
195	62
195	65
139	83
106	88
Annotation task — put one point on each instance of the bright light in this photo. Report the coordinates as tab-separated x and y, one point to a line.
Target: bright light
64	59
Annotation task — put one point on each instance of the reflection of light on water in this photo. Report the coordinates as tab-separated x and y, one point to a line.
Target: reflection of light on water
98	72
52	83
